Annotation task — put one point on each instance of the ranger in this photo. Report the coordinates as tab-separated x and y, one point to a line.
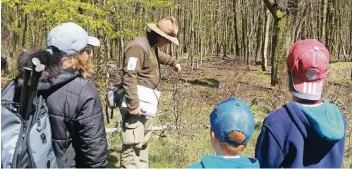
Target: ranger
141	67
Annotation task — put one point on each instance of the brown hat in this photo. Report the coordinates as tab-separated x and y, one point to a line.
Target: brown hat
167	28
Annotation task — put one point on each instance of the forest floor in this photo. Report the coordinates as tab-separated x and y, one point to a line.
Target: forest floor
181	135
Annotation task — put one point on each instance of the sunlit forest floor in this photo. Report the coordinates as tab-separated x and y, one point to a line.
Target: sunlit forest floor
181	135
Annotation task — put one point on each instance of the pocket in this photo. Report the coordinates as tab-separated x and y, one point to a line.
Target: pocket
133	131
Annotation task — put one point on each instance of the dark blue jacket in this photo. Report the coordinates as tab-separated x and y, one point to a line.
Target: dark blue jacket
301	136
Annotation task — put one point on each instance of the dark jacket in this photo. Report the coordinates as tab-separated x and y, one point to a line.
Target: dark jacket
294	137
76	117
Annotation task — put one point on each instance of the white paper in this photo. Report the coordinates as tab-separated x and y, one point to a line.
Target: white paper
148	100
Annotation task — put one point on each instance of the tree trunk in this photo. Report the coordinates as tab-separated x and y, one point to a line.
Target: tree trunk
244	33
265	42
323	20
350	49
236	43
259	38
225	32
184	31
192	35
273	51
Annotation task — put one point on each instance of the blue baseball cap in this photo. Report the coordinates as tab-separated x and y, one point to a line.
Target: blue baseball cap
232	115
70	38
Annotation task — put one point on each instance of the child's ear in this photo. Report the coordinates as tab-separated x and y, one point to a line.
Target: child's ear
212	136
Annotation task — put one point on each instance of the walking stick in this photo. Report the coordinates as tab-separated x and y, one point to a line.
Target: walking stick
37	69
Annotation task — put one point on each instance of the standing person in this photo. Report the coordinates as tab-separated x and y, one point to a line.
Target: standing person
75	110
232	126
308	131
141	66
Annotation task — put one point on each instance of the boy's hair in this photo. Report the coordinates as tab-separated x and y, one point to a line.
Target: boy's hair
235	136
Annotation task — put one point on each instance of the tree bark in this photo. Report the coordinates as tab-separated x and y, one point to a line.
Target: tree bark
323	20
236	43
273	51
265	42
259	38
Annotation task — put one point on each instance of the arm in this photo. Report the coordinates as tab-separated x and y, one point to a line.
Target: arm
90	141
268	151
166	59
131	65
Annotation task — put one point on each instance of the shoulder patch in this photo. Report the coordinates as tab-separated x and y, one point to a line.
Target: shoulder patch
132	63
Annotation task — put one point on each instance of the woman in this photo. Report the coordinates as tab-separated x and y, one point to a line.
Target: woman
75	109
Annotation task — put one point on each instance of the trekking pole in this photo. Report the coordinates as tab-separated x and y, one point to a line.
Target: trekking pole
24	91
36	73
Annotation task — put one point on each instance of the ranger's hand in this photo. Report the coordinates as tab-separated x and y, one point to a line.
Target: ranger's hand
136	111
177	68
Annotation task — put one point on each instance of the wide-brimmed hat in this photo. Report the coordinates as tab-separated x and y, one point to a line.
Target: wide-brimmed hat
167	28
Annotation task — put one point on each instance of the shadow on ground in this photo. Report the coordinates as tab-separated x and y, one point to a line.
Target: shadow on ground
206	82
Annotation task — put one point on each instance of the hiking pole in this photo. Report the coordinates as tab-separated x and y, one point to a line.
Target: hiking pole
36	73
24	91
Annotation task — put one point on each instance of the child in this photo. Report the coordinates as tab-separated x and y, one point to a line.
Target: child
232	125
309	131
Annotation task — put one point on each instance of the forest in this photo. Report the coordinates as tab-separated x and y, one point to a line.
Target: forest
228	48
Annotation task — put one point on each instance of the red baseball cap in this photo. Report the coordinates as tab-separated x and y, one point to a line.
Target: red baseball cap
308	66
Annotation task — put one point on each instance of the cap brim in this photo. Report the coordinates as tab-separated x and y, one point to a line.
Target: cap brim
163	34
306	90
93	41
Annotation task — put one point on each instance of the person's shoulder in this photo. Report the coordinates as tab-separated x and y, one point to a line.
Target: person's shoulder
276	116
83	86
139	43
278	122
195	165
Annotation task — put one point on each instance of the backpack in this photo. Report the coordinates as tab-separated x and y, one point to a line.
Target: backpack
26	141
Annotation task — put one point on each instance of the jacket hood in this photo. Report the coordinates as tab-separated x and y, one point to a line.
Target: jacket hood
324	119
221	162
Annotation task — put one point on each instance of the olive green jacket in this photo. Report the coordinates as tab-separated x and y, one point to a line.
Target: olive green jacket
141	67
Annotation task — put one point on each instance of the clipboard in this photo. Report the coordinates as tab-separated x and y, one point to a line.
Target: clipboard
148	100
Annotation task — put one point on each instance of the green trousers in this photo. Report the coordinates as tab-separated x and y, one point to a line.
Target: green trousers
136	131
